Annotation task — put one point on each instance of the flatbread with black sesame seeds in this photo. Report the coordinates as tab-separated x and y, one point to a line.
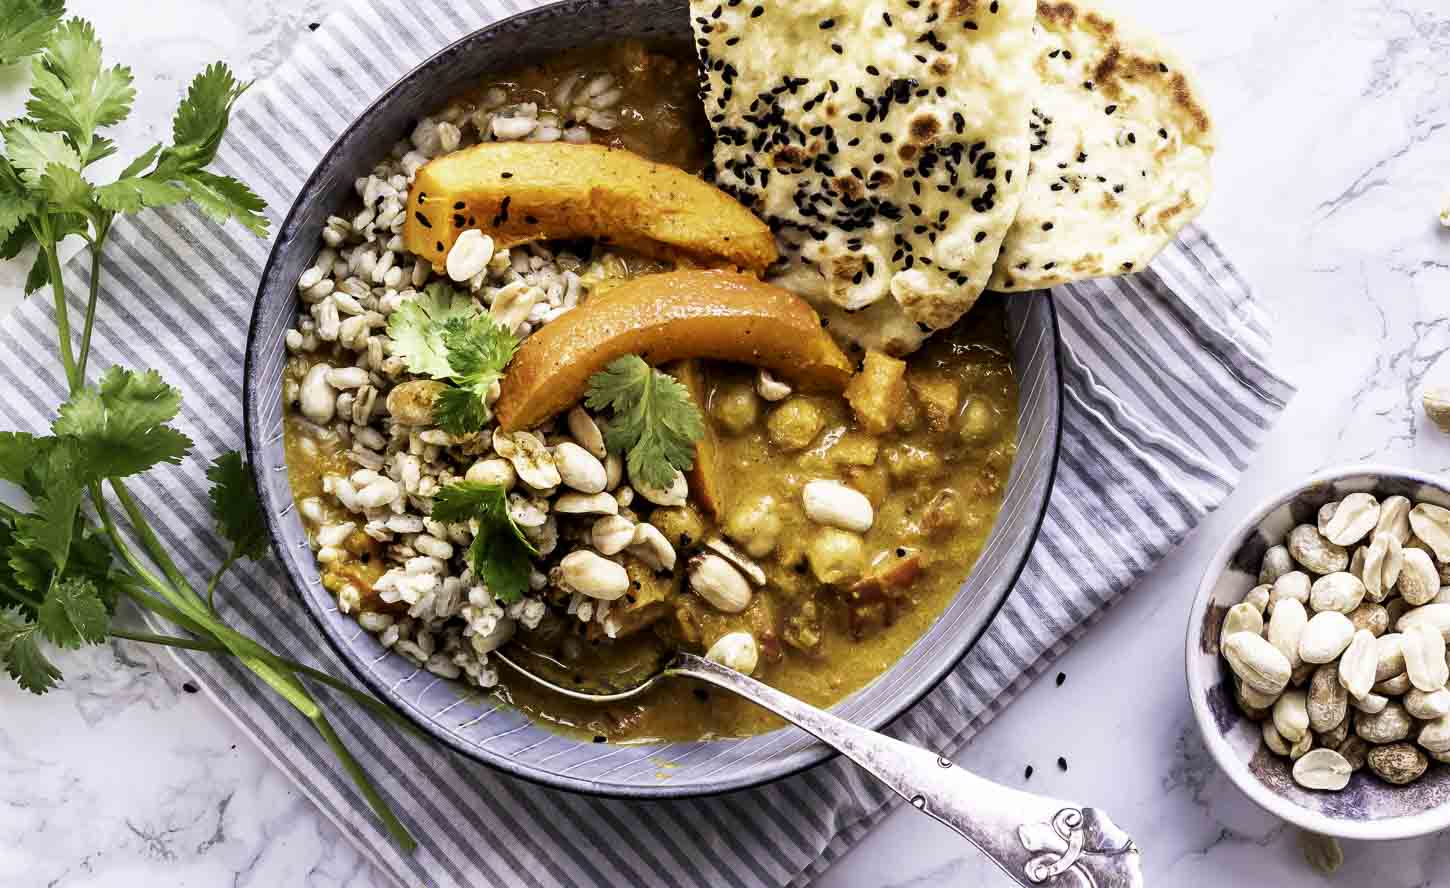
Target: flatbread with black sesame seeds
1120	152
884	140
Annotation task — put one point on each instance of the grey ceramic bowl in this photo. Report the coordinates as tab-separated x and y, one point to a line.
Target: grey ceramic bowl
1368	808
502	737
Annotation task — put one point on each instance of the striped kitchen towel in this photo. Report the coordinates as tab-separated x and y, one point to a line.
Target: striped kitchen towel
1167	395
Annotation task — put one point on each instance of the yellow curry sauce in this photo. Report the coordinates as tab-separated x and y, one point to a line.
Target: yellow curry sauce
934	466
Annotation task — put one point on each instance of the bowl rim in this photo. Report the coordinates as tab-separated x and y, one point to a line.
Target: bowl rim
809	756
1399	827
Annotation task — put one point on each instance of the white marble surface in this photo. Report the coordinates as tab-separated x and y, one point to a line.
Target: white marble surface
1335	133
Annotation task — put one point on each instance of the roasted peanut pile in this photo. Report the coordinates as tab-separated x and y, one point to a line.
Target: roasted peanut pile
1312	650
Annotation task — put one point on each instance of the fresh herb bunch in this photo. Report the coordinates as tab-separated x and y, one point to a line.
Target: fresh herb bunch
655	424
66	568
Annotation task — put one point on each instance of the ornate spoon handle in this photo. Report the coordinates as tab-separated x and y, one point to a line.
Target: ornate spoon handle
1036	840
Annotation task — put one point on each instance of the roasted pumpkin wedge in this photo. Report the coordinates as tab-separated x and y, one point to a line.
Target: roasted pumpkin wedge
516	192
668	317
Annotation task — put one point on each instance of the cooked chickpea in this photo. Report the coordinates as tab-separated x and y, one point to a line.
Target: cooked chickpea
906	462
681	525
735	407
794	424
978	422
755	525
836	556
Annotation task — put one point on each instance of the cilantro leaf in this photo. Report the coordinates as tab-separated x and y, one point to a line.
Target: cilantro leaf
73	614
479	349
66	191
21	654
202	117
72	93
132	194
31	568
31	150
20	451
416	329
25	26
120	425
15	205
39	275
655	423
51	526
223	198
501	555
235	506
458	411
16	242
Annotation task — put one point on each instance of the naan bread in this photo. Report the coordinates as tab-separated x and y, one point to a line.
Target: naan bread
884	140
1119	156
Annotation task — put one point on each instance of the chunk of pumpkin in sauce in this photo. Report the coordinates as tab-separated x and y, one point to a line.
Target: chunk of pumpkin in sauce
720	315
875	599
877	392
518	192
704	477
938	397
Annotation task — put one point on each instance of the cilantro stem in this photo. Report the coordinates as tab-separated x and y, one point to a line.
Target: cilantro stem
370	792
149	540
363	698
216	578
57	289
119	542
91	300
176	641
20	595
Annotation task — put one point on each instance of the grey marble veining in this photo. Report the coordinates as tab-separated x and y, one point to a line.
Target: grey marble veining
1334	123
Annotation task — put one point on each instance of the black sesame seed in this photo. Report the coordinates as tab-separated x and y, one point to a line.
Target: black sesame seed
507	175
422	220
460	205
1061	677
189	687
886	17
981	236
1061	763
828	24
970	26
600	739
993	7
1110	109
1046	226
757	12
1027	774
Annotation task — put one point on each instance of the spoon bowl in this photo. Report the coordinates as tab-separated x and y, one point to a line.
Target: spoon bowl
1034	839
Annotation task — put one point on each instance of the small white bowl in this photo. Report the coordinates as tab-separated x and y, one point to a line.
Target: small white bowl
1368	808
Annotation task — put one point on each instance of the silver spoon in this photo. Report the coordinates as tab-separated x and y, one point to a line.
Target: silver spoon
1037	841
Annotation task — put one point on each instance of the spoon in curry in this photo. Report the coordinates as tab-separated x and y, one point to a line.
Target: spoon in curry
1037	841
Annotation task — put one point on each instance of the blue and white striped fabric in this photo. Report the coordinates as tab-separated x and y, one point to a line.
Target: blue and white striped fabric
1167	397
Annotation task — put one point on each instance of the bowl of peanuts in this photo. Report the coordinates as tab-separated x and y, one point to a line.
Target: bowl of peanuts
1316	654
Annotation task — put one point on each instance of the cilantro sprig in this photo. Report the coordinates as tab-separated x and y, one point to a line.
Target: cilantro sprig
441	334
501	555
655	422
66	565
